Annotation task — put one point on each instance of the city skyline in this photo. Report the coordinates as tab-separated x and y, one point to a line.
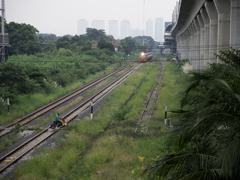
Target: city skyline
45	20
112	27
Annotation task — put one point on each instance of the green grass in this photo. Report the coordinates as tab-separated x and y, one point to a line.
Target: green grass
117	153
29	103
173	85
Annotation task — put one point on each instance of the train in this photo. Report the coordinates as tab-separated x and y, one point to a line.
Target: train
144	57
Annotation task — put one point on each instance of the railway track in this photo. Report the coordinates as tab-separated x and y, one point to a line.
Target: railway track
37	113
146	115
16	154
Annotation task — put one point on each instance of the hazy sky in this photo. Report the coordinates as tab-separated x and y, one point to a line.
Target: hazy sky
60	17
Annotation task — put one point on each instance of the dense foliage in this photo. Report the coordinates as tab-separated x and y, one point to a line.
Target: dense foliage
207	134
148	43
22	38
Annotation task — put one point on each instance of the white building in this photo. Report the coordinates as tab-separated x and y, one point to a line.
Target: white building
159	29
113	28
82	25
125	29
98	24
149	28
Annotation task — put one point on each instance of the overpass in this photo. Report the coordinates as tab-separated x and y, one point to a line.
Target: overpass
169	40
202	28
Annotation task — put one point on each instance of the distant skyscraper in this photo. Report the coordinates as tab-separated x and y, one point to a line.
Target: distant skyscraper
149	28
132	33
113	28
82	26
98	24
138	32
125	29
159	29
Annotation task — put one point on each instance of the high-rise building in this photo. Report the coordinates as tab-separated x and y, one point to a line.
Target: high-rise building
139	32
136	32
125	29
159	29
149	28
82	26
98	24
113	28
132	33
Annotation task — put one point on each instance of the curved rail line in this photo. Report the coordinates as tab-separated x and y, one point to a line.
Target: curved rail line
35	114
13	156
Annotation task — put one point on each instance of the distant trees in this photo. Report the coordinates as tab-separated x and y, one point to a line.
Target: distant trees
47	37
148	43
128	45
97	35
106	45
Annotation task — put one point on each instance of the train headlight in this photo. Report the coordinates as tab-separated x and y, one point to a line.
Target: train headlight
142	54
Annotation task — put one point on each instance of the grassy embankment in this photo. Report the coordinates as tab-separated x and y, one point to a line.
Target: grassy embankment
11	139
89	152
28	103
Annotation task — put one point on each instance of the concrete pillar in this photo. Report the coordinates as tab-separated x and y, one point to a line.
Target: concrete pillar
179	48
201	24
206	21
197	43
213	16
191	34
184	46
235	24
194	51
223	9
187	44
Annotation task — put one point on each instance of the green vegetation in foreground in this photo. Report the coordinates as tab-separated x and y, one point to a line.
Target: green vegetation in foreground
171	88
28	103
89	152
206	135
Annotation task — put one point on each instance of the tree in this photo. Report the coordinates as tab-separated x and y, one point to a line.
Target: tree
106	45
128	44
79	40
87	46
96	35
148	43
22	38
63	42
47	37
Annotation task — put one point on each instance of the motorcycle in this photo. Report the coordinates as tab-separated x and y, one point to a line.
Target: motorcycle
55	124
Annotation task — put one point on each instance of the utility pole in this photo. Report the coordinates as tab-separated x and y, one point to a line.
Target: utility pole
143	19
3	31
4	38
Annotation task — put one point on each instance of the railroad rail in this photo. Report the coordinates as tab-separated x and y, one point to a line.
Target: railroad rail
142	118
37	113
16	154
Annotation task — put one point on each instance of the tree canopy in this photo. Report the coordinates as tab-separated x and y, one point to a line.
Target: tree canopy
106	45
128	45
22	38
148	43
97	35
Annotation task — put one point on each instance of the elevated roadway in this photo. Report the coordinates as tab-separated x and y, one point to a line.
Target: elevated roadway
205	27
